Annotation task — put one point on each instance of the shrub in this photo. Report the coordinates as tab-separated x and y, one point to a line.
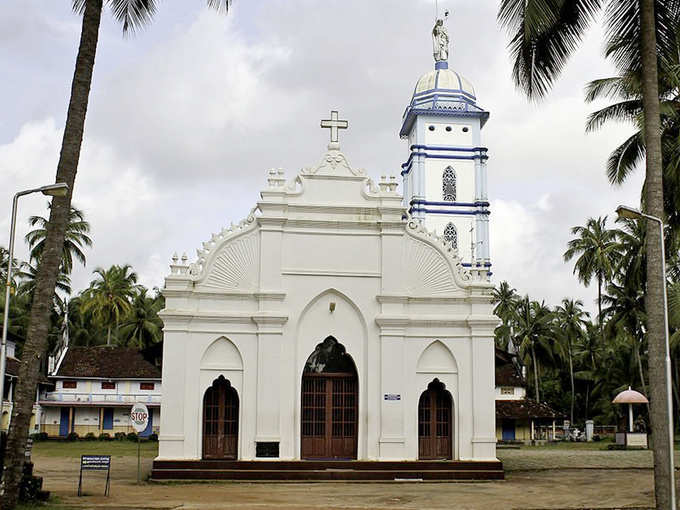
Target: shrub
153	437
39	436
73	436
120	436
596	437
104	436
132	436
90	436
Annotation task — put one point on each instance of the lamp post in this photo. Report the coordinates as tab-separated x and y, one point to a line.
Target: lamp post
59	189
635	214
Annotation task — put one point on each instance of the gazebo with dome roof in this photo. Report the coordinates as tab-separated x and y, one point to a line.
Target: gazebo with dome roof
631	438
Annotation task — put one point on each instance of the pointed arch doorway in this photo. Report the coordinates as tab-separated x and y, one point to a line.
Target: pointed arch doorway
330	404
435	423
220	420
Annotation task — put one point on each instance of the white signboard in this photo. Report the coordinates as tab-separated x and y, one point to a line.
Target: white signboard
139	417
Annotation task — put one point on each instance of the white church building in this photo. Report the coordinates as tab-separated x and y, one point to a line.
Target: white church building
341	320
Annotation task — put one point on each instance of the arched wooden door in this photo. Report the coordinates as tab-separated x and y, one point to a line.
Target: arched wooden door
220	421
330	403
435	423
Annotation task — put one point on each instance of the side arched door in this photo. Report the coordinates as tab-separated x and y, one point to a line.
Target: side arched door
435	423
220	421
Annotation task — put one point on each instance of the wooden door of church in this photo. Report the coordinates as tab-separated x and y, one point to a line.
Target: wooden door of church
435	423
220	421
329	416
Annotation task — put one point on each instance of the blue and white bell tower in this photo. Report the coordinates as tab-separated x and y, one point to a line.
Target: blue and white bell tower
445	183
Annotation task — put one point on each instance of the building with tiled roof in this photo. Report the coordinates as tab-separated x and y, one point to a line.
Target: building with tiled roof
11	375
519	418
94	389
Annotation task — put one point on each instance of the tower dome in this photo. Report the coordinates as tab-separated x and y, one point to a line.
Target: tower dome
442	91
445	81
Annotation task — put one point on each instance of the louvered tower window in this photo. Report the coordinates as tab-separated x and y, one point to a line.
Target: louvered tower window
451	235
449	185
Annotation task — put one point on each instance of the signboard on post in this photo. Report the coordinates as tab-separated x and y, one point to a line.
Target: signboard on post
95	463
139	417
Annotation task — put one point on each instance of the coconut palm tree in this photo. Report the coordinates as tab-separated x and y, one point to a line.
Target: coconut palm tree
533	332
110	296
505	298
142	326
76	238
571	321
132	14
596	249
544	34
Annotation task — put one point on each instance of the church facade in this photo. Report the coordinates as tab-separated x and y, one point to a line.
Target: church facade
337	321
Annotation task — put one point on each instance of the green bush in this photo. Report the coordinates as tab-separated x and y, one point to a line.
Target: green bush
90	436
153	437
104	436
73	436
120	436
39	436
132	436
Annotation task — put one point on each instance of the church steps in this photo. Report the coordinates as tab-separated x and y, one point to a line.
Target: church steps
330	464
326	470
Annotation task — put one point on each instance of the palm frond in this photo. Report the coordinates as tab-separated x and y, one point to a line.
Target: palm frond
625	111
544	34
625	159
133	14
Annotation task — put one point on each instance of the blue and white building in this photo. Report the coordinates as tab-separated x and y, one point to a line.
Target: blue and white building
445	175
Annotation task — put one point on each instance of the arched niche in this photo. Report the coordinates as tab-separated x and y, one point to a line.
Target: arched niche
437	358
222	354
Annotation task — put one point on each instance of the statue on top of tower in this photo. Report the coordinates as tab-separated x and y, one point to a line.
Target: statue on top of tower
440	39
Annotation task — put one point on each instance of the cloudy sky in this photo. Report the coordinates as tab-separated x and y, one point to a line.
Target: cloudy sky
186	117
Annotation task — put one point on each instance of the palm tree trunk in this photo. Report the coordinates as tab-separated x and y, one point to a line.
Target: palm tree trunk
571	375
640	368
36	338
108	335
533	362
655	278
599	305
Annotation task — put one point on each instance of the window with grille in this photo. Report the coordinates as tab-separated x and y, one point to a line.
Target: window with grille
507	390
108	385
146	386
451	235
449	185
70	385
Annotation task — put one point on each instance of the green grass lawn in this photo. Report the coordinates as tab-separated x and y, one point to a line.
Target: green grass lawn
71	449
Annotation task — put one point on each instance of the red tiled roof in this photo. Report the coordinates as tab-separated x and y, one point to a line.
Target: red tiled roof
507	373
12	370
106	363
525	408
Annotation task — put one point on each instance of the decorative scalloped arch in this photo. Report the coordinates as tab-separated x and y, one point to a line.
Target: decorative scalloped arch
437	358
222	354
438	268
234	264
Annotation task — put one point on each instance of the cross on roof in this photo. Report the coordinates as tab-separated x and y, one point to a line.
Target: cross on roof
334	124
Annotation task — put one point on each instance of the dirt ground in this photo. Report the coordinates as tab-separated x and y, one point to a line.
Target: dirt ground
535	479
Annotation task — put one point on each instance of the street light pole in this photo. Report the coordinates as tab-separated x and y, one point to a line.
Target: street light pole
631	213
54	190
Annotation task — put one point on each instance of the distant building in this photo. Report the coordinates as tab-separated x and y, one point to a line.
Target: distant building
519	418
11	376
95	388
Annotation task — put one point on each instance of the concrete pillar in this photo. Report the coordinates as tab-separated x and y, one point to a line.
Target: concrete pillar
553	430
533	431
590	427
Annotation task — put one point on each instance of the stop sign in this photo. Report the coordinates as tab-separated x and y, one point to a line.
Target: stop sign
139	417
